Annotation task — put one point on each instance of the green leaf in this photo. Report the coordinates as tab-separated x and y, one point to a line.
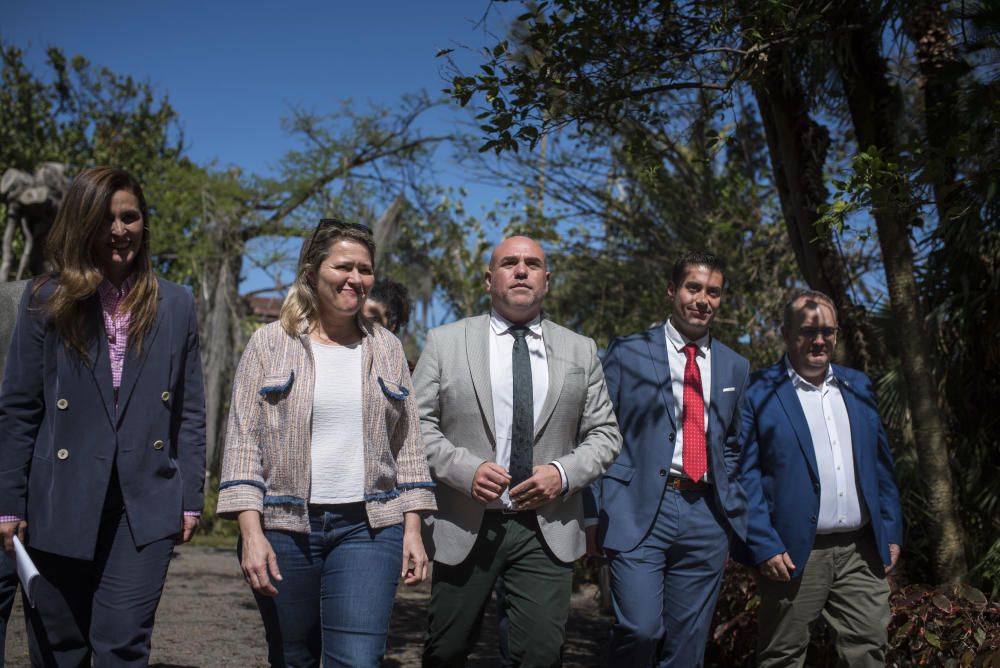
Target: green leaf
974	596
933	640
942	603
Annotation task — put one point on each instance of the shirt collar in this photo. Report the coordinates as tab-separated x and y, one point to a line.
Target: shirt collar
500	325
678	340
799	381
108	291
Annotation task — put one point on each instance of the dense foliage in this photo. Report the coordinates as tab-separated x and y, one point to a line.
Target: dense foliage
931	626
874	143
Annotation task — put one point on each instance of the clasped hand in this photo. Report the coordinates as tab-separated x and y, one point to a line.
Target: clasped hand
491	479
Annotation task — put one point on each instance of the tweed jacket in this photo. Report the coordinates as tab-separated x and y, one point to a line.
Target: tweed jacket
267	463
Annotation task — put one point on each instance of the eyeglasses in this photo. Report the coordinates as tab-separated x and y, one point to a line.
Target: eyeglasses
810	333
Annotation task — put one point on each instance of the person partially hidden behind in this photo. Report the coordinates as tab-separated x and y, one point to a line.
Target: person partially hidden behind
10	298
825	525
517	421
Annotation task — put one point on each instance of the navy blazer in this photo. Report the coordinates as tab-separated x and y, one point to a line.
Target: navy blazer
627	496
62	432
778	468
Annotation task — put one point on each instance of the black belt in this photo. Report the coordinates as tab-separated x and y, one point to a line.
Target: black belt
510	511
688	485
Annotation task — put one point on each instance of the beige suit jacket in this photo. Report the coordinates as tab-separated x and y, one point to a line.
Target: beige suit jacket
576	427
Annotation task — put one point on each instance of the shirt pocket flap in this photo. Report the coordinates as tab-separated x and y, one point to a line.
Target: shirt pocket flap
277	383
393	390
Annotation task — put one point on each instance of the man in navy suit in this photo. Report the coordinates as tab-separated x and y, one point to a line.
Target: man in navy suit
825	524
670	502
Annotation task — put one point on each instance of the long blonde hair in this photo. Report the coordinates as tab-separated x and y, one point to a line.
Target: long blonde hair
300	307
84	211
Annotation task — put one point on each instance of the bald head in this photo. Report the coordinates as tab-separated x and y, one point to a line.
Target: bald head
516	245
517	279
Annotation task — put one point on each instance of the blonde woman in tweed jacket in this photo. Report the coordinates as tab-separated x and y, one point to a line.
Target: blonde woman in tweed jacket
324	465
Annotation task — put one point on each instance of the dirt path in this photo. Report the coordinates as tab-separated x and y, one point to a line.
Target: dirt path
208	618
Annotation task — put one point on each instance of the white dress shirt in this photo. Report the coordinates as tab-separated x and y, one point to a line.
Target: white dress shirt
840	506
502	382
678	360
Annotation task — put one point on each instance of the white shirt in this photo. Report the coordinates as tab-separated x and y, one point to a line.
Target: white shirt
502	383
840	507
338	445
678	361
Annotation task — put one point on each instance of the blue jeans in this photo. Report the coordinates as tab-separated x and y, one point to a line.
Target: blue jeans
336	593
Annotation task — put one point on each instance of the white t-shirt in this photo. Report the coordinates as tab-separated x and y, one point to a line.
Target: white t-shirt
338	453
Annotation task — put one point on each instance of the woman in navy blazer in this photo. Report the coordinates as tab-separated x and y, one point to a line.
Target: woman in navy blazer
102	457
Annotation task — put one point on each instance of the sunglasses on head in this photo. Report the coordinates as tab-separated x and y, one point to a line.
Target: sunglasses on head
337	224
341	225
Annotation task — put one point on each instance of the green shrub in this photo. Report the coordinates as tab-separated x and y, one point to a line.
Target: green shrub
930	626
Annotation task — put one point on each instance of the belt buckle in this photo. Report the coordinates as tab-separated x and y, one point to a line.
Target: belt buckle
509	510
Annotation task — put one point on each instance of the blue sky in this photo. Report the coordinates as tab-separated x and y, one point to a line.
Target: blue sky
232	70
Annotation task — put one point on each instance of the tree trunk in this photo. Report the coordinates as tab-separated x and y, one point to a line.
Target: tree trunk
798	145
874	110
222	337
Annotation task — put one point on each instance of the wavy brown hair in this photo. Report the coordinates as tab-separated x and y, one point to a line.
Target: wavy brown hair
300	307
84	211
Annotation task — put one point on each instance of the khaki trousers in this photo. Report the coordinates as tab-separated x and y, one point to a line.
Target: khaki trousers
844	581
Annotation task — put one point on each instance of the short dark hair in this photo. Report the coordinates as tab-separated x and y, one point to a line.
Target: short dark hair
694	258
396	299
812	295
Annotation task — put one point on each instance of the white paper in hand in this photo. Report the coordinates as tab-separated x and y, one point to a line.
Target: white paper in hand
26	571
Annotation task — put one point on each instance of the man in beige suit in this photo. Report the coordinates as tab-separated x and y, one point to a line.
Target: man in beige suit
516	421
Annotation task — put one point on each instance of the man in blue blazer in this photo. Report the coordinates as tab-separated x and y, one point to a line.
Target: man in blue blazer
670	502
825	524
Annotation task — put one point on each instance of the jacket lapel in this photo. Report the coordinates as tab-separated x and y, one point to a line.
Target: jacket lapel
100	359
477	348
657	342
134	361
557	374
793	409
717	364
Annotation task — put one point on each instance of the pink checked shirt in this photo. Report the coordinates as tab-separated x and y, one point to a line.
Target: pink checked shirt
115	326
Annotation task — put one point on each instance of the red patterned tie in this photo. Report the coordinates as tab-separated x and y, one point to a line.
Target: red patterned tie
695	455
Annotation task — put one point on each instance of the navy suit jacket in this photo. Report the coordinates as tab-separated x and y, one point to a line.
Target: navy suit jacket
63	433
778	469
638	375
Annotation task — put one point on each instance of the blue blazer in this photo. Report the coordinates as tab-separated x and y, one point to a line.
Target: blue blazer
778	468
627	496
62	432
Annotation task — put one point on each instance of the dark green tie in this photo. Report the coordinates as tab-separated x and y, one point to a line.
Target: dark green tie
523	432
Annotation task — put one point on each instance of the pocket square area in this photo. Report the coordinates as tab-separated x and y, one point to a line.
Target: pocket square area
729	389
